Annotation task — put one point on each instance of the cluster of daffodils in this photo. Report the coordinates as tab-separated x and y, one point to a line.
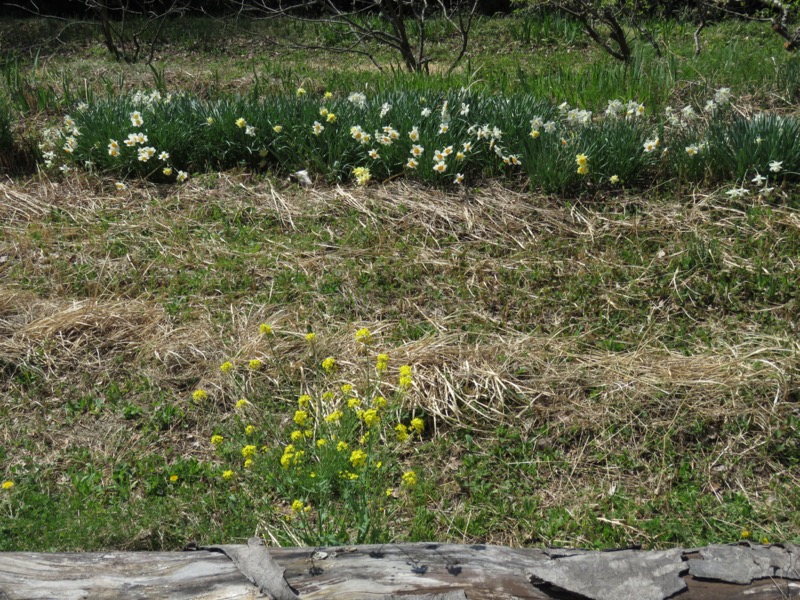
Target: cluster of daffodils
760	182
136	142
344	440
689	115
447	140
58	144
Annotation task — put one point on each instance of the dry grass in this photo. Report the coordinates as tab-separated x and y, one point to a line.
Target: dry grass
491	350
458	372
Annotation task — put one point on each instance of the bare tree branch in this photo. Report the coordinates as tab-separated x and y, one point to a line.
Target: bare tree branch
367	23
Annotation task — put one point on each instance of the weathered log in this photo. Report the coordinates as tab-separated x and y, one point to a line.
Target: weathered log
406	572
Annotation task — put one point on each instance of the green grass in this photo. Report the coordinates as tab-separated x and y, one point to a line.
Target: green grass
617	368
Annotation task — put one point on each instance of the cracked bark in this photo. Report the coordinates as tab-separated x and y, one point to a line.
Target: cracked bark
407	572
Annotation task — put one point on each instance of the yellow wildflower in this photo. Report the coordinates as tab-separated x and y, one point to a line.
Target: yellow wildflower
329	364
300	417
217	439
297	506
321	442
277	128
301	92
296	435
382	363
370	417
745	534
409	479
334	417
303	400
363	335
310	337
288	455
249	430
254	364
358	458
7	485
199	395
249	451
167	171
265	329
241	123
379	402
227	474
342	446
226	366
328	95
241	403
417	425
353	402
248	463
389	492
346	388
331	118
401	431
362	175
173	478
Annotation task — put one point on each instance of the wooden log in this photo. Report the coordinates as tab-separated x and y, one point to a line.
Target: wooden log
404	572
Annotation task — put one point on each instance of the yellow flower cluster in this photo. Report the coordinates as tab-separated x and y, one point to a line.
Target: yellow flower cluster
406	377
364	336
370	417
249	451
226	367
409	479
334	417
362	175
291	456
382	363
254	364
7	485
583	164
217	439
358	458
265	329
199	395
401	431
329	364
300	417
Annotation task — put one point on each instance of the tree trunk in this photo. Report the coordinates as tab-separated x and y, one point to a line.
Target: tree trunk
407	572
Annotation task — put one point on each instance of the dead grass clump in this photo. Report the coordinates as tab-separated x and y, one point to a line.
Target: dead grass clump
61	334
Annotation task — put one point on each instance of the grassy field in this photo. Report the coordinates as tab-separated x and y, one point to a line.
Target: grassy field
614	368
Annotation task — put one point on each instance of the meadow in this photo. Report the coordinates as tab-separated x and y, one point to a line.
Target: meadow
546	299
